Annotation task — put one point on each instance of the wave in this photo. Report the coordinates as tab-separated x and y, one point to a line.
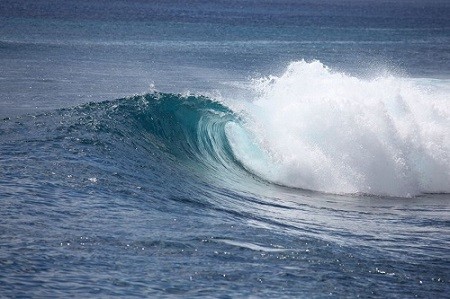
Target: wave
310	128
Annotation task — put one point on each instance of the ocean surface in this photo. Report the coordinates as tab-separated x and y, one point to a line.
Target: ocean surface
225	149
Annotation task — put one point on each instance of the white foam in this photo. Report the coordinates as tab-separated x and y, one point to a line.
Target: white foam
331	132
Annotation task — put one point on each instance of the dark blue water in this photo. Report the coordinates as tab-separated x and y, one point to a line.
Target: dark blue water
225	149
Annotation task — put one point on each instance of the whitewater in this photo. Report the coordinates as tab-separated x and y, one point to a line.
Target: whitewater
317	129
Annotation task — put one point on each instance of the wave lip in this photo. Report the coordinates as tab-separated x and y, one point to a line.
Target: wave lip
327	131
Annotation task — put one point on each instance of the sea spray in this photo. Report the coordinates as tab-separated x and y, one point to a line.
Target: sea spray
328	131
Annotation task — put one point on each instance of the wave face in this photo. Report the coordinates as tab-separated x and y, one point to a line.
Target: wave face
328	131
184	132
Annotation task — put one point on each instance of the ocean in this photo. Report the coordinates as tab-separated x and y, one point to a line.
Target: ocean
225	149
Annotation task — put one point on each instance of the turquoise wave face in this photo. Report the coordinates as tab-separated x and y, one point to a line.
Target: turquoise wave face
191	129
166	140
185	132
